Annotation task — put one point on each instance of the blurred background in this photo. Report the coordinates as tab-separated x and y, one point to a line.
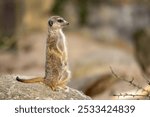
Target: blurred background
101	34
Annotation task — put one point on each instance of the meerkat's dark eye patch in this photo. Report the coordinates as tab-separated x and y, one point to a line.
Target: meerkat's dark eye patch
50	23
60	20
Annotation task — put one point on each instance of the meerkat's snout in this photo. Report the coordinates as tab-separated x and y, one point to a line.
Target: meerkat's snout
67	23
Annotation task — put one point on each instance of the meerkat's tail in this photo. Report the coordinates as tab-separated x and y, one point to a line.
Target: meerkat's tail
33	80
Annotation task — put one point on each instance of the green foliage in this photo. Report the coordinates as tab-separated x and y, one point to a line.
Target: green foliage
58	6
83	11
8	43
81	6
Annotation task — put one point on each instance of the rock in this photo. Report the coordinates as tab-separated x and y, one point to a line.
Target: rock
12	89
95	85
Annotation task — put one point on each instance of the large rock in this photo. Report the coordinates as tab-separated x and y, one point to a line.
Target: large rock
12	89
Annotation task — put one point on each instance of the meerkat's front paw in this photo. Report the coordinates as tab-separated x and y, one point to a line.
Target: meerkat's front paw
66	89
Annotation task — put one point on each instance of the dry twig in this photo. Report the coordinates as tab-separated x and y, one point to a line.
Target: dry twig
144	94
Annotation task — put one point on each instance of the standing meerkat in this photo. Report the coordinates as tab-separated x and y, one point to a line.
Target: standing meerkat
57	73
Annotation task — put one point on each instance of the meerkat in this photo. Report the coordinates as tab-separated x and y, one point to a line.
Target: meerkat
57	73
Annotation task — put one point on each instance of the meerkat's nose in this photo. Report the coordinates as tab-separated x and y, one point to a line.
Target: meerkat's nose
67	23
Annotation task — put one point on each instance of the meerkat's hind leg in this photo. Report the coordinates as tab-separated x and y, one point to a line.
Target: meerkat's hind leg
63	86
62	83
66	77
57	86
52	84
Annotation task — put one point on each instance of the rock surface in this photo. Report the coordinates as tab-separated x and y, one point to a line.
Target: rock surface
14	90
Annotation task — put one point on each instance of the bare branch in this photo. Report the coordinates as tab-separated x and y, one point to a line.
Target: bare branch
144	92
146	79
131	95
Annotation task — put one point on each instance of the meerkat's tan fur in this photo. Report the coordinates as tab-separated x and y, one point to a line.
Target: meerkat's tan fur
57	73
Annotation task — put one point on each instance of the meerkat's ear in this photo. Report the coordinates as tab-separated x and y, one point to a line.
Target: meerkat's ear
50	22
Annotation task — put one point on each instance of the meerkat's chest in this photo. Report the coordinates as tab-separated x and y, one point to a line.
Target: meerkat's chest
62	36
62	40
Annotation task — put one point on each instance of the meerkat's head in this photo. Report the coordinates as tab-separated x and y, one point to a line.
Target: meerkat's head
57	22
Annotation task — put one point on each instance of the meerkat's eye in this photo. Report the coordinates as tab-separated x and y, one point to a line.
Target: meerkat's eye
60	20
